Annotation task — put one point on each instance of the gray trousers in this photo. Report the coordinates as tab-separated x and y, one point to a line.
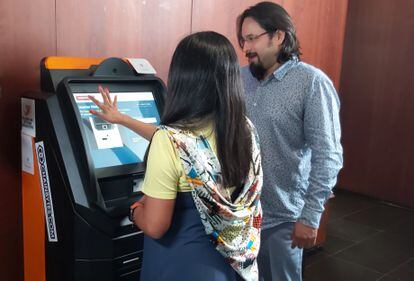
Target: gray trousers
277	260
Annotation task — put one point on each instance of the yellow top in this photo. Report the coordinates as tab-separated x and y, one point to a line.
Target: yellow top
165	175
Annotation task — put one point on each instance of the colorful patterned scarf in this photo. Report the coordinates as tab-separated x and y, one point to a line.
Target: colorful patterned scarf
233	226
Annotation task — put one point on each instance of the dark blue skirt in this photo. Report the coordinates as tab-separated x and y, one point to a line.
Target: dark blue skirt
185	252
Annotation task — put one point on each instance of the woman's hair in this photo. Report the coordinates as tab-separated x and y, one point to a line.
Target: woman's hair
272	17
204	84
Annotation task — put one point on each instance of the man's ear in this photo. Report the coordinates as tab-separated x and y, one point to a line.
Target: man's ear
279	37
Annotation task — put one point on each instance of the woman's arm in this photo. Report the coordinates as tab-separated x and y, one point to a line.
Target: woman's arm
143	129
153	216
155	209
109	112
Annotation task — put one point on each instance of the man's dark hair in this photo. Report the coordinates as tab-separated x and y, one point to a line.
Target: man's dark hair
204	84
271	17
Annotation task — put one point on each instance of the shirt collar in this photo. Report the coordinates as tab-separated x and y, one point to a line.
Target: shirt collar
284	68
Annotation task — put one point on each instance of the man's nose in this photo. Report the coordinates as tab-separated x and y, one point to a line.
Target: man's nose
246	47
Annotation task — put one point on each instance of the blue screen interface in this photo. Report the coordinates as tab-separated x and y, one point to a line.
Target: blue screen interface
111	144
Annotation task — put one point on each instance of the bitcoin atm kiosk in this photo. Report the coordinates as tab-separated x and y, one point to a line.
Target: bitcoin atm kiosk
87	172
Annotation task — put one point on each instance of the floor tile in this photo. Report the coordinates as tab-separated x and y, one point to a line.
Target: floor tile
388	278
350	230
405	271
403	227
346	203
380	216
335	244
310	257
382	252
329	269
366	240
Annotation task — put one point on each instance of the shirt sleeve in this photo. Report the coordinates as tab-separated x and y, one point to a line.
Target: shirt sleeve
322	134
161	176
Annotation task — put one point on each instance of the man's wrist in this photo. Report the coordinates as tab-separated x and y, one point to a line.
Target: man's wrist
310	218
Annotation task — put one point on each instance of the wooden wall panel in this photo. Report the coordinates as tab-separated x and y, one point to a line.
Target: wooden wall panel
221	16
377	100
320	26
128	28
27	32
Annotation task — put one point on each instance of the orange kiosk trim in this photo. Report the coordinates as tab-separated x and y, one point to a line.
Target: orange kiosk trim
71	62
34	232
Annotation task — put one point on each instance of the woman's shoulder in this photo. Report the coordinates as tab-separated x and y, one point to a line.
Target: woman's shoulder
179	133
167	137
161	134
161	139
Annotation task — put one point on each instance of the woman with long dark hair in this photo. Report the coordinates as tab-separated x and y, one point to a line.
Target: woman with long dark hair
200	211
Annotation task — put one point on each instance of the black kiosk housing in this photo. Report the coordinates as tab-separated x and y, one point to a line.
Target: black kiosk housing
95	169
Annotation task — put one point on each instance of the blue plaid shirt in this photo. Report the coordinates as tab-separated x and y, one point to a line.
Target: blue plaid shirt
296	113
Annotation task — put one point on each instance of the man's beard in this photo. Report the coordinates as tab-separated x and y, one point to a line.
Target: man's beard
257	70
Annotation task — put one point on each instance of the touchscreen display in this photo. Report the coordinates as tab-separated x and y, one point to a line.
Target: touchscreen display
111	144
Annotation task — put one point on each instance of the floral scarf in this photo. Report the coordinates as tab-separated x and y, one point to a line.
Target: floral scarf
233	226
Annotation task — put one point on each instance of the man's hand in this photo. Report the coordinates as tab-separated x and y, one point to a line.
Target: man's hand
303	236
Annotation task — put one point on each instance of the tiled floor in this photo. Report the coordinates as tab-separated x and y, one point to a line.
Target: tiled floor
367	240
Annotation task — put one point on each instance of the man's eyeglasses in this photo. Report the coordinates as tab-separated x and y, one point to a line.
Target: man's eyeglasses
251	38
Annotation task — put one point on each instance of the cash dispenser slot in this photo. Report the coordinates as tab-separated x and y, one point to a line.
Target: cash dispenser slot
120	192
